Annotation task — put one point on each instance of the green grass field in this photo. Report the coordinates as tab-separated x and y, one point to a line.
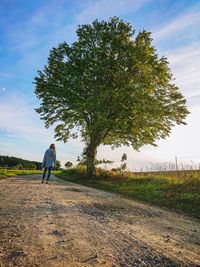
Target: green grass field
178	191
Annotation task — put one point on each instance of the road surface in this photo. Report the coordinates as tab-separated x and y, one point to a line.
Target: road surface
64	224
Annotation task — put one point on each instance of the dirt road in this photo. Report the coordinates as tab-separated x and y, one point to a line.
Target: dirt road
63	224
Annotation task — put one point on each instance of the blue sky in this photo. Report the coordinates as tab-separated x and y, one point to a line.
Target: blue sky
29	29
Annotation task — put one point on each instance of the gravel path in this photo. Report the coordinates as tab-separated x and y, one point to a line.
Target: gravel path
63	224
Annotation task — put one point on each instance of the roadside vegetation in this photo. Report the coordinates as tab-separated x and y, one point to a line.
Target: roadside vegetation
176	190
6	172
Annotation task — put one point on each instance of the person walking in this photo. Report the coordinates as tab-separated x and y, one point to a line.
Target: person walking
49	161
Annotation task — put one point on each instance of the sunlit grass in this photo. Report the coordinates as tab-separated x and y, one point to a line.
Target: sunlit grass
5	172
11	172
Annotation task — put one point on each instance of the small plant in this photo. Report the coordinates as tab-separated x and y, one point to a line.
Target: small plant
68	164
123	163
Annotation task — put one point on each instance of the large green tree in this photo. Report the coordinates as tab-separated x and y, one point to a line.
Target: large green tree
109	87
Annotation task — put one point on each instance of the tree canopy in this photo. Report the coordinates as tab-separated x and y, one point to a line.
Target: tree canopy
111	87
57	165
68	164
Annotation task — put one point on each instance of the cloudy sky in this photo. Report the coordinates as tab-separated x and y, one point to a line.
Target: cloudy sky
29	29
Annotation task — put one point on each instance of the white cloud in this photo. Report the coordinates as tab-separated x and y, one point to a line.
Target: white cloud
32	38
39	28
20	124
5	75
181	27
185	65
29	37
104	9
194	100
19	118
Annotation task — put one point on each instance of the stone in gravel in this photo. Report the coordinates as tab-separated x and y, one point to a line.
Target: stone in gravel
167	236
143	264
144	247
15	254
56	232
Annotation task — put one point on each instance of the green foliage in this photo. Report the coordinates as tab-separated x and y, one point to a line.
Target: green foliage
110	88
82	161
123	165
68	164
58	165
103	161
124	157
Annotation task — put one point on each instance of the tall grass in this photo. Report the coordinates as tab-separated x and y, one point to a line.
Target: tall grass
172	166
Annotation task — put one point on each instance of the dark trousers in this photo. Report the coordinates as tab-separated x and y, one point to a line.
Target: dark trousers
48	174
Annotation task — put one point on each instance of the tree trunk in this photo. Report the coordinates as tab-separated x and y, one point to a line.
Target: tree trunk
91	153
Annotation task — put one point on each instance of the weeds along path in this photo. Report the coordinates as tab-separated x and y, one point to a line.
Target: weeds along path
63	224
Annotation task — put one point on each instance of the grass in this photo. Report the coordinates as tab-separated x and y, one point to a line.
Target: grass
12	172
178	191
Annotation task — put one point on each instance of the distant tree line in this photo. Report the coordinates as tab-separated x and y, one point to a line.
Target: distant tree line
18	163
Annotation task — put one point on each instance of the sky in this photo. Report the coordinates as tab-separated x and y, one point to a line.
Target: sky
29	29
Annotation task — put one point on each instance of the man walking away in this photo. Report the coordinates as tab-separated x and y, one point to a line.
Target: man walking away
49	162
